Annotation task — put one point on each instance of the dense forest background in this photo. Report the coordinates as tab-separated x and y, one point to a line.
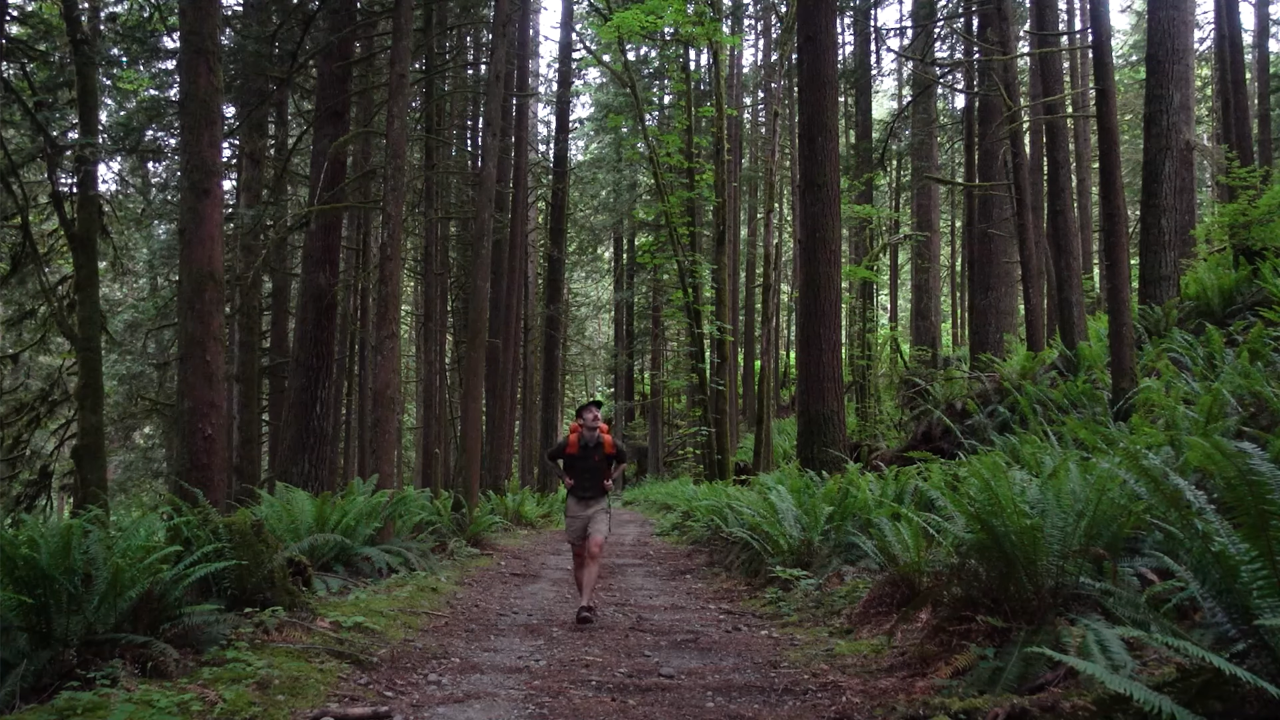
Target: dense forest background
261	255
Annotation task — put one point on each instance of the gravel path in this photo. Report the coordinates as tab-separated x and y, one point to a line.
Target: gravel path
671	642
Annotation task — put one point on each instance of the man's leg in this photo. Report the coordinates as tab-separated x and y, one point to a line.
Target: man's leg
592	551
579	561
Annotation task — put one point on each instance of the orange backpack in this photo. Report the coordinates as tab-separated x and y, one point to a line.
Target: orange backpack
571	447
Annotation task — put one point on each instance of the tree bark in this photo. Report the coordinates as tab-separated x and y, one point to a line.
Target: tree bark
969	122
385	425
277	374
653	411
519	337
1064	236
1030	257
926	243
1114	216
202	409
473	370
499	384
557	231
723	383
820	414
1044	267
992	298
1232	86
1168	205
89	454
1080	112
1262	75
432	351
253	113
306	455
762	451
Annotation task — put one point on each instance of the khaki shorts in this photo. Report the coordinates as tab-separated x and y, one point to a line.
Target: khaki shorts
584	518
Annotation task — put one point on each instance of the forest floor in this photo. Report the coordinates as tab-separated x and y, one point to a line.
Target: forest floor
674	639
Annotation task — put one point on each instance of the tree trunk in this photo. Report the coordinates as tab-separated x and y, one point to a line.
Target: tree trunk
820	420
969	122
557	231
1262	75
1114	217
653	412
1168	206
734	192
1044	267
992	298
519	337
281	290
202	409
431	358
926	243
749	337
618	354
629	327
723	383
1233	92
1064	237
473	370
762	451
386	332
89	454
864	195
360	235
306	456
1030	259
253	115
1079	60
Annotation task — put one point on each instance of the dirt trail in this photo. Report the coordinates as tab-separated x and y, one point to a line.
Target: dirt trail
510	648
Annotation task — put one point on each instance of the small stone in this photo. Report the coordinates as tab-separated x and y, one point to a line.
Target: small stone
633	702
362	681
433	678
667	672
740	628
648	654
444	681
711	704
388	694
397	717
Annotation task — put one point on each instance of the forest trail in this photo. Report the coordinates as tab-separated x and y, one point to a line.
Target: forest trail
509	647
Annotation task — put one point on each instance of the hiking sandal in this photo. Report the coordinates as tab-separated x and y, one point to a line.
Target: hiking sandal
586	615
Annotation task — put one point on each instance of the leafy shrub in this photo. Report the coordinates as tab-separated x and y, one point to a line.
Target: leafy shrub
519	506
72	590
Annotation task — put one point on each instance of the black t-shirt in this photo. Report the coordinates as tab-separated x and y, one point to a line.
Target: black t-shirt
590	467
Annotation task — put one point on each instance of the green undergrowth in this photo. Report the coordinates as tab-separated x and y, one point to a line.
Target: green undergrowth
92	603
277	662
1135	564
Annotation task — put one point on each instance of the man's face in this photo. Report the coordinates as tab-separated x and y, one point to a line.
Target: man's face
590	417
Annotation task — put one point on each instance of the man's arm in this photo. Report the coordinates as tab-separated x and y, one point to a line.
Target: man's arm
555	454
619	461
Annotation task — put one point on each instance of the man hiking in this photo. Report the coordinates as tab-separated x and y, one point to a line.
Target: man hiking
592	461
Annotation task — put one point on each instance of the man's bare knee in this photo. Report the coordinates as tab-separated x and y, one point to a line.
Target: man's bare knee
595	547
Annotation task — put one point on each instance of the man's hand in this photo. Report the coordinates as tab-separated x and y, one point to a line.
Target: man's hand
608	485
568	481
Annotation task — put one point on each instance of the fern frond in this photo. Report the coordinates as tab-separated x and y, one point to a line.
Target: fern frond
1154	702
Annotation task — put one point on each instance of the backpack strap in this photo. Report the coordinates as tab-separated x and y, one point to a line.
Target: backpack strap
572	445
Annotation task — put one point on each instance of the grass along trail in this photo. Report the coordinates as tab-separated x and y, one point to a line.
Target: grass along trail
670	642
